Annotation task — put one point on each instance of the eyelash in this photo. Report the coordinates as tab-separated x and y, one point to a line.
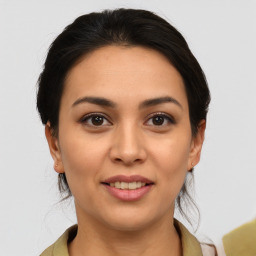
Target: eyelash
167	118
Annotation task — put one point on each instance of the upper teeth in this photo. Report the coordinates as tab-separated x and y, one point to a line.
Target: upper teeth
128	185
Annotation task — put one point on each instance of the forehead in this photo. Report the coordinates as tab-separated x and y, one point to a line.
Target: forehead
121	71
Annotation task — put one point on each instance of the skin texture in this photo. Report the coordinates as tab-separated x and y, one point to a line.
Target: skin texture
127	142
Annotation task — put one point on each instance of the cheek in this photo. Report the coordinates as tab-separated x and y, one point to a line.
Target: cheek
172	151
82	159
171	157
78	149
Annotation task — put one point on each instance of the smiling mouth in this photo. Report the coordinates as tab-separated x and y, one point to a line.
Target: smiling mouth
127	185
124	182
128	188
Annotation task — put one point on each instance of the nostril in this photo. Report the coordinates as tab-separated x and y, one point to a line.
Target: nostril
127	161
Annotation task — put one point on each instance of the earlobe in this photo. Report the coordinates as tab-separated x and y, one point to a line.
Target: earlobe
54	148
196	145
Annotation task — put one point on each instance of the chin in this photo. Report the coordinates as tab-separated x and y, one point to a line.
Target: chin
130	220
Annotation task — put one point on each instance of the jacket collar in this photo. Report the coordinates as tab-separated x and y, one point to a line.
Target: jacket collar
190	245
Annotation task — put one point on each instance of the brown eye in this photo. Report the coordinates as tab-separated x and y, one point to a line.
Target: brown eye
97	120
94	120
158	120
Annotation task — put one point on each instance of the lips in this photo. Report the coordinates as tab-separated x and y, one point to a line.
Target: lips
128	188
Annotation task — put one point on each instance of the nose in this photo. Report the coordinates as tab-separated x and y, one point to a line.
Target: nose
127	146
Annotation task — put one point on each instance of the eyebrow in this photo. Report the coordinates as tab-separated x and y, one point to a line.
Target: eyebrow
95	100
108	103
157	101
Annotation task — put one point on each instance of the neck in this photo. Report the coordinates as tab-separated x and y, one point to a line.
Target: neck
96	239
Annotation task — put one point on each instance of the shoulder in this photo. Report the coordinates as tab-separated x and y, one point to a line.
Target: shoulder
241	241
60	247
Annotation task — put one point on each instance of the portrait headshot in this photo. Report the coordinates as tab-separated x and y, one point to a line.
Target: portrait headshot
128	128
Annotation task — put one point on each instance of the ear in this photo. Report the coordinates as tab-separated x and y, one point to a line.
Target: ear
54	148
196	145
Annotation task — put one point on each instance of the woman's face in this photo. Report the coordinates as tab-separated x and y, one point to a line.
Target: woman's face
124	138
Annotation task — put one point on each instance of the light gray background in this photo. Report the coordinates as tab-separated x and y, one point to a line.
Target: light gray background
221	34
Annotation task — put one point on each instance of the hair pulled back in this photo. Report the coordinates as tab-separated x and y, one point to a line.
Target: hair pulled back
126	27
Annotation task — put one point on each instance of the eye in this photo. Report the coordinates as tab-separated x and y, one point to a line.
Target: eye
95	119
160	119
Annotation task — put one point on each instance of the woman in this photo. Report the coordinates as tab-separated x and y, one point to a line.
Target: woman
124	105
